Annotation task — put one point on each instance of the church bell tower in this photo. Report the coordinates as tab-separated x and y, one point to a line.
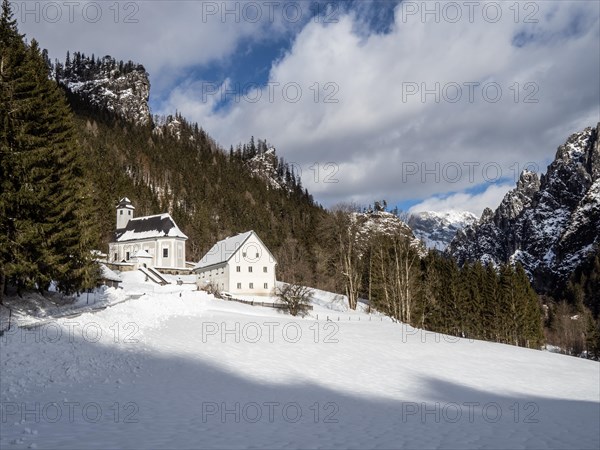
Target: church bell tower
124	212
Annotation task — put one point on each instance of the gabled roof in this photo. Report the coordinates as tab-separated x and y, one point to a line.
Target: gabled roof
149	227
224	250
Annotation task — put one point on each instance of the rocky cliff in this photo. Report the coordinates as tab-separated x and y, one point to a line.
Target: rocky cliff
549	224
119	87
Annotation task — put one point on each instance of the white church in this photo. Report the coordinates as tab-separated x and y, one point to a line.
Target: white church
240	264
149	241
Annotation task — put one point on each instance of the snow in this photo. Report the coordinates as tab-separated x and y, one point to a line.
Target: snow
108	274
223	250
264	166
132	234
437	229
177	368
142	254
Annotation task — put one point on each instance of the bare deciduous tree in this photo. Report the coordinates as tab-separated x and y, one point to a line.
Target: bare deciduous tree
295	297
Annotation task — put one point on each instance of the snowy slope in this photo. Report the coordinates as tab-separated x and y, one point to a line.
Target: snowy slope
189	371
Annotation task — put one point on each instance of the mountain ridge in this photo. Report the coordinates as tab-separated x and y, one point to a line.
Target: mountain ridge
437	229
548	224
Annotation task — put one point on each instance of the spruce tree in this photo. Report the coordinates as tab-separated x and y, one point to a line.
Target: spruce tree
491	308
508	306
12	55
45	202
530	329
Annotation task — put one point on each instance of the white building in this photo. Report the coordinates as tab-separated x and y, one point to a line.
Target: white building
150	241
241	264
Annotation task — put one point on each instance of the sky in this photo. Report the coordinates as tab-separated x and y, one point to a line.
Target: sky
430	105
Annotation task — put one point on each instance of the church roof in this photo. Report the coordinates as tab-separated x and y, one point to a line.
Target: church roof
224	250
149	227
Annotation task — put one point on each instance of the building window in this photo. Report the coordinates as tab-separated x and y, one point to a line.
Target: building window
127	256
257	256
266	286
165	252
250	269
116	257
251	285
121	212
265	269
238	269
239	285
129	212
244	255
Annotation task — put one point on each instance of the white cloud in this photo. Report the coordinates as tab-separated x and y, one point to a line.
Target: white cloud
374	128
167	37
461	201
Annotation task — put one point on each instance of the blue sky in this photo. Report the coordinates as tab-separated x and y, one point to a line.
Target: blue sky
394	71
249	64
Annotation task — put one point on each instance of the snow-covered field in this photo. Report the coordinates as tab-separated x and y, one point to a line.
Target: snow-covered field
176	368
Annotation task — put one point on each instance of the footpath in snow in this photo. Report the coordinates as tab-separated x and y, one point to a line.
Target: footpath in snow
177	368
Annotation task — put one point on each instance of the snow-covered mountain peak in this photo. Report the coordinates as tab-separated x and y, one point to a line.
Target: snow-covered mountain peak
549	225
486	216
519	198
437	229
528	181
575	146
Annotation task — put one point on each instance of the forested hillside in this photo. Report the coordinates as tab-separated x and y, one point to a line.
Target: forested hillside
211	193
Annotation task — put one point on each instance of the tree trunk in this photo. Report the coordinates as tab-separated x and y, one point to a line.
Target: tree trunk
2	283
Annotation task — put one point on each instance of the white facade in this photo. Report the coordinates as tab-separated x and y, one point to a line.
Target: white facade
240	265
173	248
157	235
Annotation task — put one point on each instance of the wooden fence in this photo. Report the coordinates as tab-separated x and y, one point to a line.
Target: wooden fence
265	304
